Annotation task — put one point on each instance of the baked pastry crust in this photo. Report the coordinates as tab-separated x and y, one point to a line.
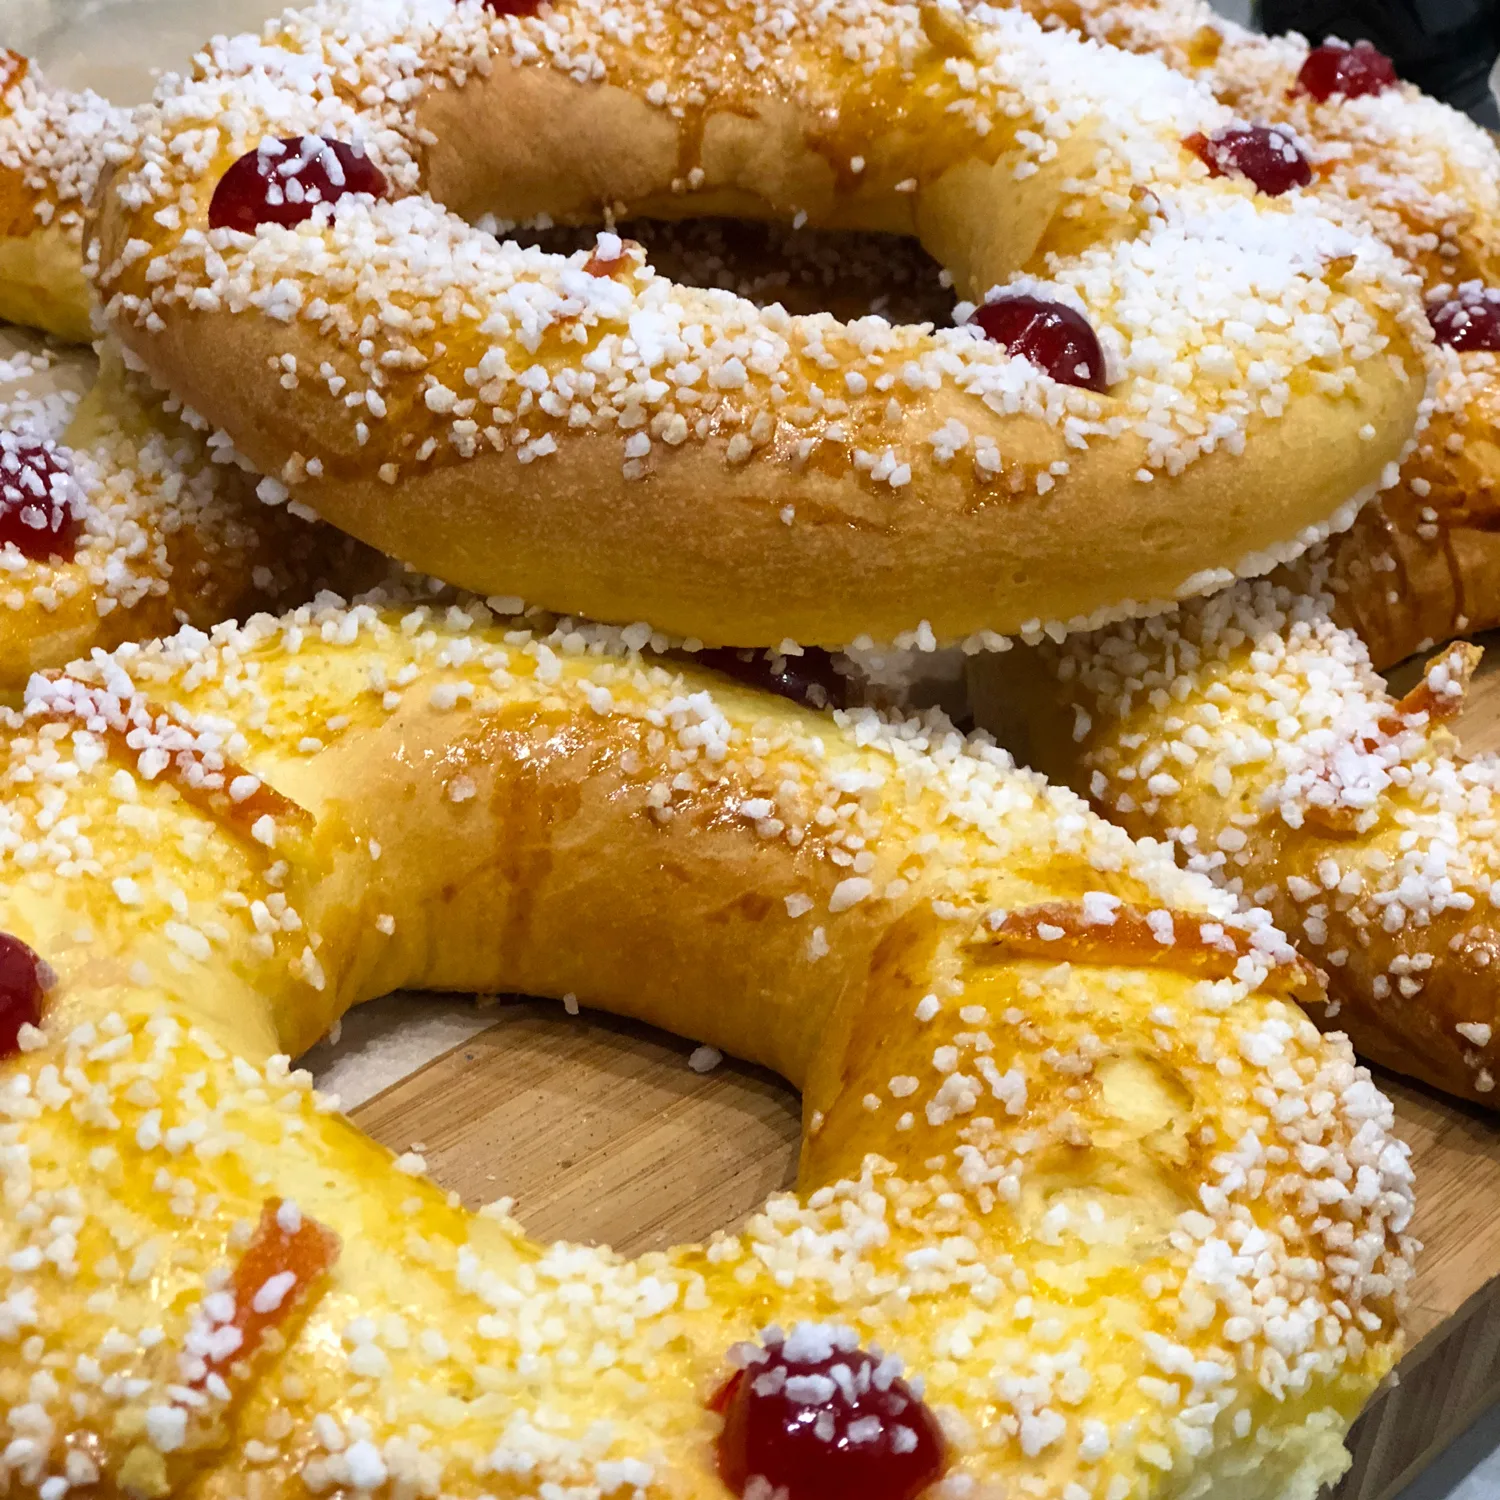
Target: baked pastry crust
1250	733
1421	565
521	426
1069	1151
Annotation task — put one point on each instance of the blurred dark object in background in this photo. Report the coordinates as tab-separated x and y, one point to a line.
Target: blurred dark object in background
1446	47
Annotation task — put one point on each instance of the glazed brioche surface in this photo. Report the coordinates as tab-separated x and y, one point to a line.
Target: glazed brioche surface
53	145
1070	1152
1251	733
536	426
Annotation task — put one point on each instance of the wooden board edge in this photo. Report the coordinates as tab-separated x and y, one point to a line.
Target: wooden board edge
1442	1386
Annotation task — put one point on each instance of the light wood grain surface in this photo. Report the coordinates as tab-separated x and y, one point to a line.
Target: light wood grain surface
602	1132
598	1128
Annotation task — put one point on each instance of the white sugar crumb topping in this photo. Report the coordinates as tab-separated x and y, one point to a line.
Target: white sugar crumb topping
58	142
1418	173
1216	310
936	1247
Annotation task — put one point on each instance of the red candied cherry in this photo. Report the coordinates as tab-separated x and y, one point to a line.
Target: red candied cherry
513	7
1051	335
810	679
40	501
815	1417
23	980
284	181
1470	319
1353	71
1266	154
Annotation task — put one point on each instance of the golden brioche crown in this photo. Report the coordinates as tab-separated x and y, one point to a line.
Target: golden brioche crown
399	368
1069	1153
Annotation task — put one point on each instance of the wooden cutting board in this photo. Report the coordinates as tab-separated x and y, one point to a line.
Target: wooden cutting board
602	1132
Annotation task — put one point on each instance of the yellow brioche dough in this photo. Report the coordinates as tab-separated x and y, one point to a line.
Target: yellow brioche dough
1423	563
1139	1228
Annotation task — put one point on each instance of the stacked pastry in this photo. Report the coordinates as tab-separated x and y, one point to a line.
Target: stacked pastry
1253	733
1088	1206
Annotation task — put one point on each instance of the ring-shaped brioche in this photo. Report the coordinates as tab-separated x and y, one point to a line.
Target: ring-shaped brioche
53	145
586	435
143	528
1249	733
1422	563
1070	1151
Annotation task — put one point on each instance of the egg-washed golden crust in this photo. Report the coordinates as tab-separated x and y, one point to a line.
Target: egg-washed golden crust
508	421
1423	564
52	148
170	533
1137	1224
1251	733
